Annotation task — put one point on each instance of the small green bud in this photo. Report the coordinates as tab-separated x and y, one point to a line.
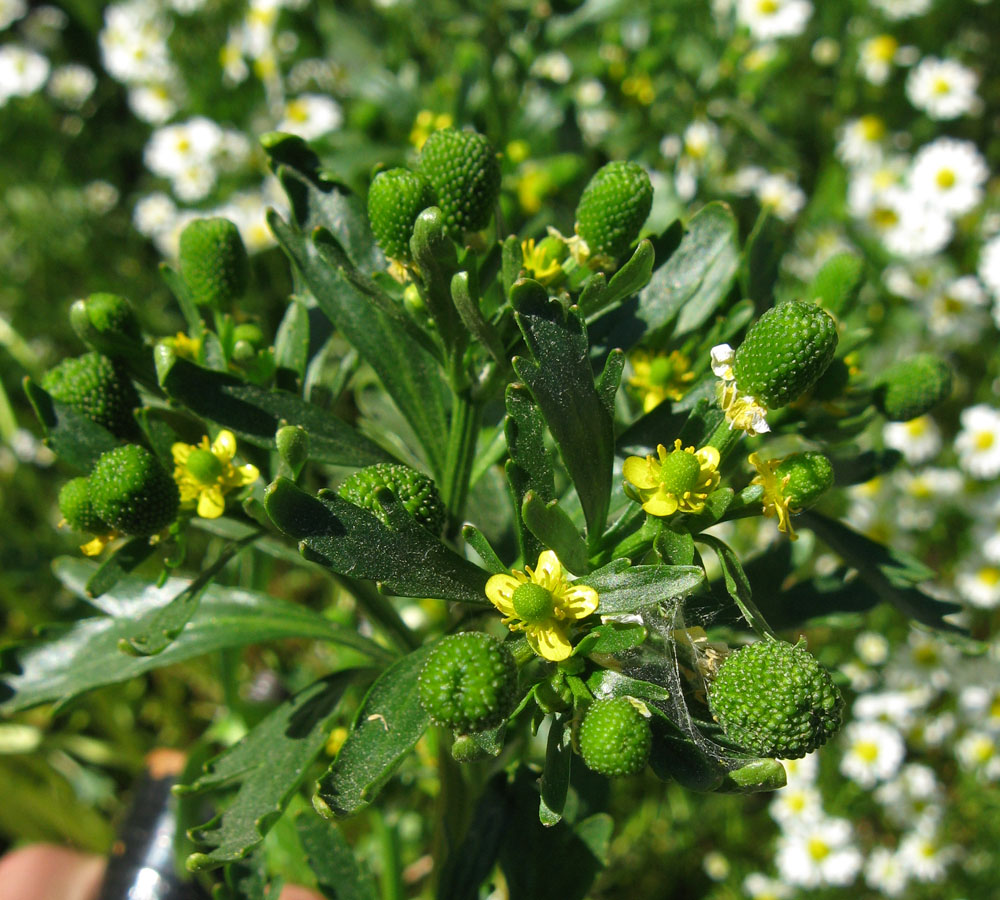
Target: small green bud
132	492
468	683
464	174
395	199
77	507
809	474
786	350
416	492
213	262
98	388
614	737
107	323
292	442
774	699
613	208
913	387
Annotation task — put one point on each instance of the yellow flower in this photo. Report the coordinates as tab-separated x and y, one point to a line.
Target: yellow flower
95	546
679	481
661	377
544	259
205	473
426	123
775	502
184	346
542	604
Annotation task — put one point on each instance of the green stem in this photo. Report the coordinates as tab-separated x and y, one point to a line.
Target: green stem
381	612
459	457
724	439
390	863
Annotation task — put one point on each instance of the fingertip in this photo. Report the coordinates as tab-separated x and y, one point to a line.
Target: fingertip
49	872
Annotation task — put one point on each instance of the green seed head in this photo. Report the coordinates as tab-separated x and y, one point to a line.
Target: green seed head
614	737
464	174
469	682
809	475
395	199
416	492
213	262
204	466
132	492
679	472
774	699
913	387
77	507
785	352
613	208
98	388
532	603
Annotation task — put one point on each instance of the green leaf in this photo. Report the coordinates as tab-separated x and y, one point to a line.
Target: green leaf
332	862
624	588
737	584
71	435
471	861
629	279
85	656
178	287
467	306
891	574
610	379
121	561
254	413
692	283
555	530
761	258
510	264
529	468
611	639
560	379
409	373
291	343
674	548
388	724
403	556
554	783
434	254
837	284
478	542
606	684
268	763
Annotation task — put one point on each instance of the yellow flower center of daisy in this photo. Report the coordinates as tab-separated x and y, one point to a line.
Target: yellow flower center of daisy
884	47
872	128
984	440
767	7
867	750
945	178
884	217
205	467
941	86
989	575
818	848
680	472
533	604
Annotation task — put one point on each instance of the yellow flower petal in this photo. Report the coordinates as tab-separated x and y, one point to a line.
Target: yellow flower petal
180	453
211	503
548	573
578	601
224	446
641	471
500	592
661	504
248	474
549	642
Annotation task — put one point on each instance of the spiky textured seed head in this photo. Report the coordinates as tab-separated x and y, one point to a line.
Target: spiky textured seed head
418	494
614	737
913	387
132	492
98	388
464	173
785	352
613	207
809	474
213	262
774	699
77	507
468	683
395	199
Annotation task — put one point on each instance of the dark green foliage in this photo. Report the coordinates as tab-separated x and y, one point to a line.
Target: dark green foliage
97	388
463	170
773	698
469	682
913	387
418	494
395	199
785	352
132	492
615	737
613	207
213	262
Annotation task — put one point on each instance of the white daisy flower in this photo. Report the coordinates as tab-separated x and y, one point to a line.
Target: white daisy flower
981	704
913	793
902	9
311	115
153	103
919	440
942	88
769	19
22	71
173	149
700	139
781	195
801	771
589	92
818	853
978	583
11	11
876	57
72	85
872	647
861	140
957	309
978	443
796	803
875	751
154	214
868	182
899	708
758	886
555	66
949	174
923	854
989	266
977	751
133	42
907	226
885	873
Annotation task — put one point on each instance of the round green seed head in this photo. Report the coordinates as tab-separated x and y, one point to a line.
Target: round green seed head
532	603
132	492
774	699
913	387
464	173
213	262
468	683
415	491
614	737
204	466
785	352
77	507
679	472
99	389
613	208
809	474
395	199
